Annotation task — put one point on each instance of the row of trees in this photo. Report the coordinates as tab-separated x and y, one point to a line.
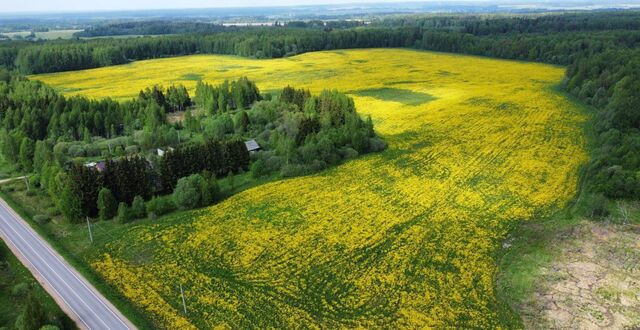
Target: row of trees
33	110
155	27
35	117
125	178
239	94
66	55
193	191
550	38
482	25
175	98
128	178
161	27
217	157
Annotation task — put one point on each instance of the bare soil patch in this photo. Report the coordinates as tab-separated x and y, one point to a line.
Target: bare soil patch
594	283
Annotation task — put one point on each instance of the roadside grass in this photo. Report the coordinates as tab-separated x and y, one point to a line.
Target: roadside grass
72	240
12	275
74	247
404	96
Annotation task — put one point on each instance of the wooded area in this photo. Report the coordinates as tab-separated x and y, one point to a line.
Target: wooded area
600	50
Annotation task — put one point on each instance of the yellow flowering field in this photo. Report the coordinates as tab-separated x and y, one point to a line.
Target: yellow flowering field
405	238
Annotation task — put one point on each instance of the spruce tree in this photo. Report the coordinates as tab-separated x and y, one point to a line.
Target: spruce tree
107	204
124	215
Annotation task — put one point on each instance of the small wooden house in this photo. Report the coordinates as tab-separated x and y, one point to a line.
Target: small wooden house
252	146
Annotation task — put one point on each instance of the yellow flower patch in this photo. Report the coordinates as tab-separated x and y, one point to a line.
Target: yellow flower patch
403	238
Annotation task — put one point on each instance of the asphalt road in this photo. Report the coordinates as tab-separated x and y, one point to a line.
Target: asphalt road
81	301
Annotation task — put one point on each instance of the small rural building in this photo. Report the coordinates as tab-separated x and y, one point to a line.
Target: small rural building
252	146
99	166
161	152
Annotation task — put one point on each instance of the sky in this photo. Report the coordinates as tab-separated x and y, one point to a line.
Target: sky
93	5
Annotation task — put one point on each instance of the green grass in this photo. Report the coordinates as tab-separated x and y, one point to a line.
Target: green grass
12	274
404	96
70	241
191	76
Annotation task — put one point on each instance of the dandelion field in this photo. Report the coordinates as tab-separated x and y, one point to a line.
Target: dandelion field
404	238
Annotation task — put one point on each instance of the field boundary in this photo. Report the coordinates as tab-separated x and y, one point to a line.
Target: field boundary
536	230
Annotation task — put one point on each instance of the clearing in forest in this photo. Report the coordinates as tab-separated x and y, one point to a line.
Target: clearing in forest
404	238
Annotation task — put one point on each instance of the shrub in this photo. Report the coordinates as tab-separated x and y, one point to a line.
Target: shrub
318	165
291	170
20	290
376	144
138	209
124	215
348	153
160	205
273	163
76	151
34	181
209	188
258	169
187	194
52	211
41	219
33	315
92	150
30	192
131	150
106	204
597	207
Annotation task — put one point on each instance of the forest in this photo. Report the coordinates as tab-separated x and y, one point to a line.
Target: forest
162	27
599	48
148	28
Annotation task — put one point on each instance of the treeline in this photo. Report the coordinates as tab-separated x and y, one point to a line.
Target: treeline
558	47
233	95
31	111
527	35
149	28
216	157
329	25
65	55
519	24
610	81
162	27
77	190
